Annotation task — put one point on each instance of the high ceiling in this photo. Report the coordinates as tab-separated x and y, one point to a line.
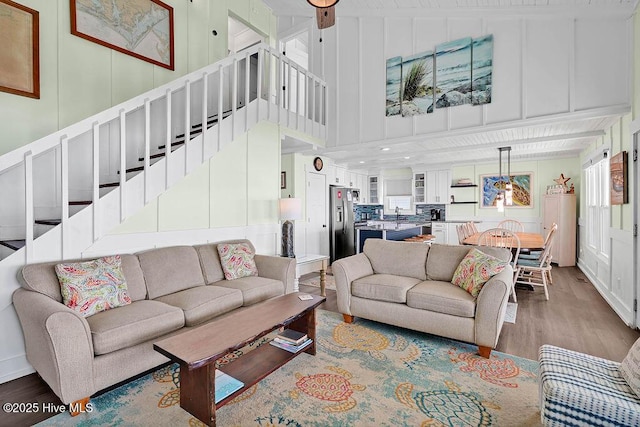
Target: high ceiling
559	137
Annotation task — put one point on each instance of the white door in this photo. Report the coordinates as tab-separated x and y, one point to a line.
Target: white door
317	228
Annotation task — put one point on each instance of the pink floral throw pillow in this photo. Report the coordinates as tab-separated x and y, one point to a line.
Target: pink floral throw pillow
475	269
93	286
237	260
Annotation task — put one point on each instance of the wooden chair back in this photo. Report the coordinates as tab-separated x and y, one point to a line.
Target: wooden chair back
511	225
502	238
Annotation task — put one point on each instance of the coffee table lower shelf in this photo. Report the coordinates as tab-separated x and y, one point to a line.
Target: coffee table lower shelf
256	365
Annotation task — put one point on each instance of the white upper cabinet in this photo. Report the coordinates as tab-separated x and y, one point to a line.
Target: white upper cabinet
437	186
419	189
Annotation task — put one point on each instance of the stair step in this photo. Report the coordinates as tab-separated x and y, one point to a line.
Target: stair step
13	244
192	134
173	144
48	221
212	120
153	156
136	169
80	203
109	184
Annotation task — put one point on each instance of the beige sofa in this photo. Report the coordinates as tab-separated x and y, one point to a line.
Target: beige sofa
409	285
171	289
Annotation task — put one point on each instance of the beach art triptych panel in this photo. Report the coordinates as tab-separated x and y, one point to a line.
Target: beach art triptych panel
458	72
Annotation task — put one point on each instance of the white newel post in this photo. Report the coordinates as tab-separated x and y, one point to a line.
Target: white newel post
123	162
64	180
205	113
167	144
96	180
28	205
187	123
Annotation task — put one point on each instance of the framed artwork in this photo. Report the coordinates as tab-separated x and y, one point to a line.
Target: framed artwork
417	84
491	185
140	28
481	70
283	180
19	55
394	81
619	180
453	73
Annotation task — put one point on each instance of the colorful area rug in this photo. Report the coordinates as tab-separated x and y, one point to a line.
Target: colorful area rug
364	374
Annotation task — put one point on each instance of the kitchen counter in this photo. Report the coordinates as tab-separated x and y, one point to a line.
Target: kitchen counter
386	232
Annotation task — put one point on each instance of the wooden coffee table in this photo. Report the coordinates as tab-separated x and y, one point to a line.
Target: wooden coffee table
197	349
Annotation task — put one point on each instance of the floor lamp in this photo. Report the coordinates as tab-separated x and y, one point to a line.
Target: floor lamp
290	209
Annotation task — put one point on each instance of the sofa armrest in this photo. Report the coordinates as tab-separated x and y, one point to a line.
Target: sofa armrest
277	268
345	271
58	344
491	306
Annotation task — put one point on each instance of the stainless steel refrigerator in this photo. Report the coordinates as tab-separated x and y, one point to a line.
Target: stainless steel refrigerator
341	222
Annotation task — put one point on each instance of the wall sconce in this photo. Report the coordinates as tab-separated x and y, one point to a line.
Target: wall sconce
290	209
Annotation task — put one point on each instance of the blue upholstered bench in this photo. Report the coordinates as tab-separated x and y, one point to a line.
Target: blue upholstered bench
577	389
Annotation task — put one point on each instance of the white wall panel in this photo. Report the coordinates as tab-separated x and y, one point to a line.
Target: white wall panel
348	95
506	91
546	51
373	66
602	59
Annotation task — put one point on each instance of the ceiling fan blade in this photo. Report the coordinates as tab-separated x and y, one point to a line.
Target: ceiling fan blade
326	16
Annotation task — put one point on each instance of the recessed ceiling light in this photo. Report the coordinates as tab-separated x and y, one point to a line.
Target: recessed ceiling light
385	149
407	157
361	161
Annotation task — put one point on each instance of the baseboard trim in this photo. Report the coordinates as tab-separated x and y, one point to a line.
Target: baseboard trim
14	367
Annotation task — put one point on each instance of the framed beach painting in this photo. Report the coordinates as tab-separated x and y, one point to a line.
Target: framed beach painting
619	179
453	73
19	54
417	84
140	28
481	70
394	82
491	185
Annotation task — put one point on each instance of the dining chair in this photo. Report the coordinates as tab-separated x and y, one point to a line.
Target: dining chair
471	228
536	254
537	272
512	225
503	238
462	233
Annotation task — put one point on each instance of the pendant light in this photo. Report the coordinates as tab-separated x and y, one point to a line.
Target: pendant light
505	196
322	3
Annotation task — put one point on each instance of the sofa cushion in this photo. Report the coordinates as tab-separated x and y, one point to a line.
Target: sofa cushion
42	278
210	260
444	259
169	270
630	368
90	287
237	260
132	324
254	289
442	297
203	302
397	258
384	287
475	269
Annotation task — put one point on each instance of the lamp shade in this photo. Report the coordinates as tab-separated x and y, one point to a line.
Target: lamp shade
290	208
322	3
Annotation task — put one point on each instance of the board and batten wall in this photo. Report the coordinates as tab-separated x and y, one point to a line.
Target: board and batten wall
79	78
544	68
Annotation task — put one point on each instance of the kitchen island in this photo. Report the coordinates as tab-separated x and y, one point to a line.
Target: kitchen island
386	231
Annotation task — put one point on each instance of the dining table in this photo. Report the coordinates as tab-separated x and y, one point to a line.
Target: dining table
531	241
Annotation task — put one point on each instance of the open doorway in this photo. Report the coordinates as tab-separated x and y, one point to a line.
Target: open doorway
241	36
296	49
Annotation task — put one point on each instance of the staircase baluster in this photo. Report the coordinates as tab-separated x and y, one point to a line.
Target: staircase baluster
259	82
220	106
28	205
187	124
64	180
234	97
297	98
288	92
96	180
247	82
205	113
123	162
147	147
313	106
167	144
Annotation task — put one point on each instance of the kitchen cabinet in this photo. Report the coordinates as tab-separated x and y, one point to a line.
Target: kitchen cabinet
375	192
561	209
437	186
419	187
339	176
440	232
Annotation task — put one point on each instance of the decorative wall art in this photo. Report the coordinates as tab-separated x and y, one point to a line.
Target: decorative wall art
394	80
481	70
140	28
491	185
453	73
460	70
19	54
619	183
417	84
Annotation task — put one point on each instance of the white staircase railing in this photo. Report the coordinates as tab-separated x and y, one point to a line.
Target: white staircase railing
191	118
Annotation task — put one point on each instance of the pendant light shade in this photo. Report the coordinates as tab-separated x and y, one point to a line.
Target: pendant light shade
505	196
322	3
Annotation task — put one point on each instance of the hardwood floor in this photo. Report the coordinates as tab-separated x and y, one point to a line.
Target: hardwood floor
575	317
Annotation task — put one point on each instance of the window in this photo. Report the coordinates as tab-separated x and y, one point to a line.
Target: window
596	179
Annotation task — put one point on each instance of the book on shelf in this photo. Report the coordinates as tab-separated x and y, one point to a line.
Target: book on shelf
226	385
290	347
292	336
